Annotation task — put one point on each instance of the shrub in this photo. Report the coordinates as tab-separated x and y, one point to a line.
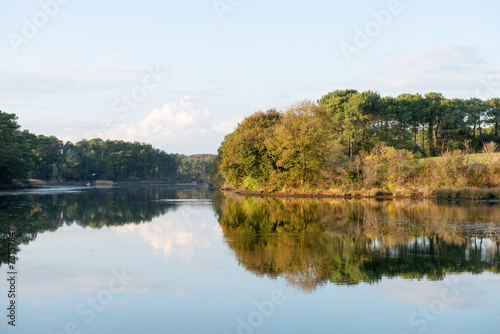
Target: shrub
478	176
448	171
490	147
388	167
250	184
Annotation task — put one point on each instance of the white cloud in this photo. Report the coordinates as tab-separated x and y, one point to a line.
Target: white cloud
90	280
173	121
445	58
456	291
226	127
36	80
448	69
178	127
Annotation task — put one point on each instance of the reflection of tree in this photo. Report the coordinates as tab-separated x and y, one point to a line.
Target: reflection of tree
31	214
311	242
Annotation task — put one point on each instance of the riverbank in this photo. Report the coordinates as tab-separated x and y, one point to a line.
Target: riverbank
466	193
16	185
388	173
35	183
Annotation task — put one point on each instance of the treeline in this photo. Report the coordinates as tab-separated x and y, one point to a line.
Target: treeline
197	167
428	124
24	155
97	159
359	140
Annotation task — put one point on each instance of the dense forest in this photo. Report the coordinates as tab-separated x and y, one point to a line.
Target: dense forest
24	155
361	140
197	167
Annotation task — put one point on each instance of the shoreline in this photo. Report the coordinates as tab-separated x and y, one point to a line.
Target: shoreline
38	184
492	194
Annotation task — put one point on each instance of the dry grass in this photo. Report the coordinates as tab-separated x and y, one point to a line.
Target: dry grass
485	158
471	159
465	193
469	193
490	148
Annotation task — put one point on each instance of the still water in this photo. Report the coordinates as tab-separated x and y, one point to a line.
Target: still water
183	259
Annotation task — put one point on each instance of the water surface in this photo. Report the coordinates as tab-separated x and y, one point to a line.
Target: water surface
182	259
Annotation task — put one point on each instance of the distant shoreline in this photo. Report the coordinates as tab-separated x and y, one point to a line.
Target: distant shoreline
34	184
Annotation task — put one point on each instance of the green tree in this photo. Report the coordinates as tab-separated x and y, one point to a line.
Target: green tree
16	157
334	104
357	122
244	153
493	113
351	114
453	129
432	117
197	167
49	152
384	120
410	108
475	110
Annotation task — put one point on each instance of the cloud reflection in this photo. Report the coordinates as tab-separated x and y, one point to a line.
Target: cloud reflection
178	235
471	290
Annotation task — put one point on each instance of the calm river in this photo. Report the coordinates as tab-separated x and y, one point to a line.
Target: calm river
183	259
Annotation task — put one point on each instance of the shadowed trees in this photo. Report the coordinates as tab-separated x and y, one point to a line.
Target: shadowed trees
16	157
313	242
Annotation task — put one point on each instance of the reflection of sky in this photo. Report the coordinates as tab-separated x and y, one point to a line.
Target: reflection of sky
472	290
186	280
179	234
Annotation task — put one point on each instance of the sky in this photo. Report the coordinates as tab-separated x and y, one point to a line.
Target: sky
180	75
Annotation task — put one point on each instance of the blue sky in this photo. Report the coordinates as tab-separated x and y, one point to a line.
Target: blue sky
181	74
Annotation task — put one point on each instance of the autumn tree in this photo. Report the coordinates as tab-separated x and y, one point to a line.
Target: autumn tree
244	153
299	142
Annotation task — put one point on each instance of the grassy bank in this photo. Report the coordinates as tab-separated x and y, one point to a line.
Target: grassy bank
347	145
479	158
391	173
466	193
